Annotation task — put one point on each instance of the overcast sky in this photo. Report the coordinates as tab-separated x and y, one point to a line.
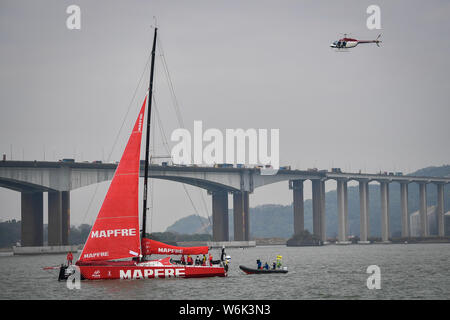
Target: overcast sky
234	64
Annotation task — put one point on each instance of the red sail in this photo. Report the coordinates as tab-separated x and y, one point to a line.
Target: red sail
155	247
115	233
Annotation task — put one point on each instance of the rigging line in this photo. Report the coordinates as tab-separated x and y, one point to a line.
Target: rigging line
205	206
152	149
129	106
164	138
118	134
185	189
195	208
151	207
161	129
177	108
170	85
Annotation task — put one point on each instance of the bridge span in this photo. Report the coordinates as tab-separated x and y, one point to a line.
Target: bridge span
33	178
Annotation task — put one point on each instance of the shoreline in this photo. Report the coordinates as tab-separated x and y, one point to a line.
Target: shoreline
7	252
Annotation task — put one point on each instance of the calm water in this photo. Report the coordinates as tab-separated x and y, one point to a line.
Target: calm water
414	271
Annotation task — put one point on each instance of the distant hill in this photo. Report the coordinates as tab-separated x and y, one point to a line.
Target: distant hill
190	225
272	220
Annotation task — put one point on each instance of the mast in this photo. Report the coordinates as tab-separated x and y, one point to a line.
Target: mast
147	139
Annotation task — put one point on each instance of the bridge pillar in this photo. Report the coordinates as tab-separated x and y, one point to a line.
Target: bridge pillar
347	229
241	216
65	216
238	216
298	204
423	209
32	219
384	194
247	216
440	209
318	202
54	218
404	208
342	211
58	218
364	211
220	215
323	227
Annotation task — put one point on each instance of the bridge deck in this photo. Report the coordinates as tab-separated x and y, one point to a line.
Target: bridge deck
65	176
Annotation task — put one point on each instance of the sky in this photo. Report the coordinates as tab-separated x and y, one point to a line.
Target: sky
233	64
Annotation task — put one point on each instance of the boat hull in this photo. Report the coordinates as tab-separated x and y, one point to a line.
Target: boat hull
248	270
148	272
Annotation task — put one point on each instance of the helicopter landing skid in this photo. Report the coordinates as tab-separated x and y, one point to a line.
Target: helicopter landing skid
341	50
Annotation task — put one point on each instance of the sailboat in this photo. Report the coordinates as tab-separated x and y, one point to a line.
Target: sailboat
115	249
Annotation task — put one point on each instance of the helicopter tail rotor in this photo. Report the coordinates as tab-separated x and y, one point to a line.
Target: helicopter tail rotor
378	41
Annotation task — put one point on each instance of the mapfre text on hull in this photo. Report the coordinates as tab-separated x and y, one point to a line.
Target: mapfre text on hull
138	272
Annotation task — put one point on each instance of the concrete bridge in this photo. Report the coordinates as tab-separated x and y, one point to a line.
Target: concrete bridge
33	178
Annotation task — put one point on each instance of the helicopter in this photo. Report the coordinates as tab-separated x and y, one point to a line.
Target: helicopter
346	43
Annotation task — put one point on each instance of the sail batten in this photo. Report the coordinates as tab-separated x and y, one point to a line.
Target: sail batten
115	233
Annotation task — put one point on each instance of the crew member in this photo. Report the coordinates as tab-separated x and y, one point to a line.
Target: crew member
183	261
222	256
69	258
279	261
258	262
210	259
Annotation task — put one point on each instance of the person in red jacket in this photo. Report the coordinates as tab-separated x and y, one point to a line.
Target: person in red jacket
210	259
69	258
189	260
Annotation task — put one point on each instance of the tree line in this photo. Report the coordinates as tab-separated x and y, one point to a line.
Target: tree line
10	234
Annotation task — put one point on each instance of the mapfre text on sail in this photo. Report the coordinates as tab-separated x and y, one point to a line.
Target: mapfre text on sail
113	233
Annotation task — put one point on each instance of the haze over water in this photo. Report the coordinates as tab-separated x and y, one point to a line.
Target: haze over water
408	271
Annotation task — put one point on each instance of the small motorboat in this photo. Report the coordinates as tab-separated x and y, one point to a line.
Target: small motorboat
248	270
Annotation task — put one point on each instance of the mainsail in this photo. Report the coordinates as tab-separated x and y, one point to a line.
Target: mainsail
115	234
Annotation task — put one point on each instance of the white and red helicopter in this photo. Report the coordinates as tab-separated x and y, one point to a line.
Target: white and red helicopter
346	43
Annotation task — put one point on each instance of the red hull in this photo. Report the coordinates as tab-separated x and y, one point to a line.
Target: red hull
97	272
